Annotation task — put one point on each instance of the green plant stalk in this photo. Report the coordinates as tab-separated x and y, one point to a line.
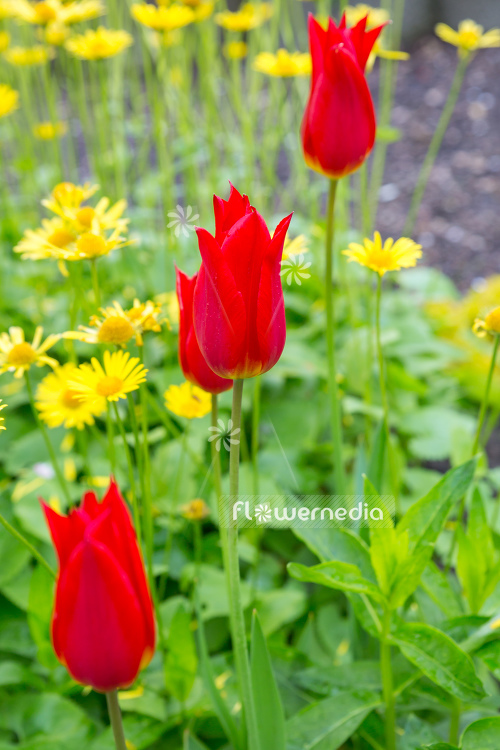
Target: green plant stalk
95	282
48	79
111	439
336	420
435	145
115	717
20	538
50	447
486	396
383	389
388	684
455	722
237	618
131	477
255	433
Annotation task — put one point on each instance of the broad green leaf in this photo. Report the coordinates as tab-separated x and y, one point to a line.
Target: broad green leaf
190	742
267	701
440	659
338	544
40	604
423	523
482	735
336	575
437	586
439	746
326	725
181	662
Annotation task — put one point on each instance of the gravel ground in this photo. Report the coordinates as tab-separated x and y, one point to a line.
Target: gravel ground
459	220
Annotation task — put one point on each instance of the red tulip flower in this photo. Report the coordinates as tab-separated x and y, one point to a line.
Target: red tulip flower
239	312
192	361
103	627
338	129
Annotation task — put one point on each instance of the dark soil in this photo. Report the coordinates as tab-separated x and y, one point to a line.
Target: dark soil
459	220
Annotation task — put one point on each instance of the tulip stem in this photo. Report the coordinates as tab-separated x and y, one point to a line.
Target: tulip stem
50	447
237	617
115	717
435	145
336	422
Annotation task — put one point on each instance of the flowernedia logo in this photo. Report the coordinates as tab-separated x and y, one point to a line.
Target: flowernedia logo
312	511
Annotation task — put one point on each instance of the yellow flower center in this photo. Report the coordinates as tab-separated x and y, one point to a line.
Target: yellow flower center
469	39
21	355
492	320
115	330
109	386
44	12
85	216
91	245
69	400
61	238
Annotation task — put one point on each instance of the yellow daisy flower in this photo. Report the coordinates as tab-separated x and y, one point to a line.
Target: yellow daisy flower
202	10
469	37
176	16
57	403
47	131
9	100
66	195
4	40
45	242
2	419
195	510
114	326
187	400
146	316
99	44
389	256
90	246
374	16
24	56
248	17
40	13
236	50
17	355
5	9
121	374
386	54
297	246
82	10
283	64
490	324
56	33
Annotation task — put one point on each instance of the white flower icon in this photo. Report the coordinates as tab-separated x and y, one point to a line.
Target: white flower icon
294	268
225	436
183	221
262	513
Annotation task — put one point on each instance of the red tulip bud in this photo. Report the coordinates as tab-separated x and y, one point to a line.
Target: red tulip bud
103	627
192	361
239	312
338	129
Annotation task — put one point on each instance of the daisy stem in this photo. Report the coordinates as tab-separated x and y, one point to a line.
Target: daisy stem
336	421
237	618
435	145
383	388
95	282
111	440
20	538
486	396
50	447
130	465
115	718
